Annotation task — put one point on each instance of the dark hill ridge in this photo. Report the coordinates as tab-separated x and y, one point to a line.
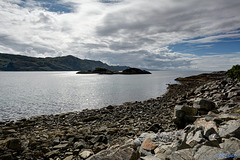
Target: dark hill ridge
10	62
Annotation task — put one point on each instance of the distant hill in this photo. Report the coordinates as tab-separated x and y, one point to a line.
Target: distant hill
10	62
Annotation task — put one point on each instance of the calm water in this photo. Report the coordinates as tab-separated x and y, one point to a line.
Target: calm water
25	94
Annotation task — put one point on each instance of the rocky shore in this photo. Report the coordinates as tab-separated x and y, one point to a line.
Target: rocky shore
196	119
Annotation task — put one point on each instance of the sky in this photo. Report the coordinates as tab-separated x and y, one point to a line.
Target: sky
157	34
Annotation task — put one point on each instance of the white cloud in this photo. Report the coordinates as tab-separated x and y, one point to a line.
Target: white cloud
130	32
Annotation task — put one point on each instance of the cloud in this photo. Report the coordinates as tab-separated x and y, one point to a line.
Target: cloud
124	32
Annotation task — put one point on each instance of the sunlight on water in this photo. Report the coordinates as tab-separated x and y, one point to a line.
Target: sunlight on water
25	94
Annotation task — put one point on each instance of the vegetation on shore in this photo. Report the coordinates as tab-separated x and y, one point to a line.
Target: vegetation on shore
10	62
234	72
100	70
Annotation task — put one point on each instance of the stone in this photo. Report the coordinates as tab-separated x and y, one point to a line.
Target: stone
124	152
204	104
207	152
202	122
150	157
14	143
52	154
85	154
195	137
155	128
68	158
60	146
230	129
231	145
7	156
148	144
79	145
184	154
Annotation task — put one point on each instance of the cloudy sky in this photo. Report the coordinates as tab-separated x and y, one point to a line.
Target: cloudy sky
156	34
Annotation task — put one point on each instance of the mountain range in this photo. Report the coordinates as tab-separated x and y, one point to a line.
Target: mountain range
11	62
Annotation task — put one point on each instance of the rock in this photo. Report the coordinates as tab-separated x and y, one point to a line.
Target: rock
150	157
195	137
202	122
230	129
207	152
79	145
14	143
68	157
184	154
183	113
204	104
7	156
148	144
52	154
85	154
60	146
155	128
147	147
231	145
116	153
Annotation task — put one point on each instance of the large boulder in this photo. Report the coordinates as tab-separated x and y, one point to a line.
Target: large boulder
183	114
231	145
204	104
230	129
125	152
207	152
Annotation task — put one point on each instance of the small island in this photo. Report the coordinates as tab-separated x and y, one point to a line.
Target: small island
106	71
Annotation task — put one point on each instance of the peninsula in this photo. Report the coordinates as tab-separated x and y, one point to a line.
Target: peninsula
11	62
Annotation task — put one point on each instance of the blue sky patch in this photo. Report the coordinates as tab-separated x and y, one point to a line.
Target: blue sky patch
225	46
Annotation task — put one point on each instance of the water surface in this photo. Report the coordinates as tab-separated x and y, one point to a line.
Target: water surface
25	94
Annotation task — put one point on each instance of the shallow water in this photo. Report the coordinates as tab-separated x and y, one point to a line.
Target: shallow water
25	94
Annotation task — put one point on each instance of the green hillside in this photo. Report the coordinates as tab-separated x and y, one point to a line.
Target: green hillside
10	62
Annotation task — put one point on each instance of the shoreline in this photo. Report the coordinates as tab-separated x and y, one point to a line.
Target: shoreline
96	129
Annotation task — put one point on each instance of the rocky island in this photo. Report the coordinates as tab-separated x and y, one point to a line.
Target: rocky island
195	119
107	71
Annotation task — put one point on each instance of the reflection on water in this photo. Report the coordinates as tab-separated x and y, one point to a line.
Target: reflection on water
25	94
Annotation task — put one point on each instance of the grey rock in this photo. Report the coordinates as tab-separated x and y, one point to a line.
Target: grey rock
231	145
68	157
121	153
184	154
60	146
52	154
207	152
150	157
204	104
230	129
85	154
